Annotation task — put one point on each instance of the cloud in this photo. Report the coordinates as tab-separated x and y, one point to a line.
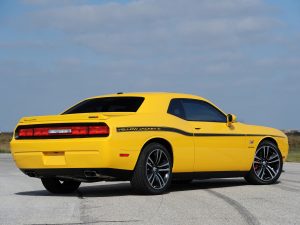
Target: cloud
151	14
235	52
51	2
140	26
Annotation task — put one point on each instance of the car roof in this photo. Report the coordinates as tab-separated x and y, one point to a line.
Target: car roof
151	94
155	101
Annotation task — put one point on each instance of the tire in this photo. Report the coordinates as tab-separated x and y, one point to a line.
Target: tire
56	186
267	164
153	171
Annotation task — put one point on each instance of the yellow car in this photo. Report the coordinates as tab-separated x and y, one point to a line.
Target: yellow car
149	139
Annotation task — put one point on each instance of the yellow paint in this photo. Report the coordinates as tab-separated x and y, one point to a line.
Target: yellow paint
190	153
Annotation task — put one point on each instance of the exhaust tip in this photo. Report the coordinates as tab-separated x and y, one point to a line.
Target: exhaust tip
90	173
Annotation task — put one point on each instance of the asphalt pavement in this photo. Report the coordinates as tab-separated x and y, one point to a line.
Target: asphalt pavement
23	200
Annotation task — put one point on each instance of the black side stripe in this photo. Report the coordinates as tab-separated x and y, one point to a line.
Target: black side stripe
141	129
175	130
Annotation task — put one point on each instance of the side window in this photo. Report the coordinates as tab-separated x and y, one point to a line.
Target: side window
176	109
196	110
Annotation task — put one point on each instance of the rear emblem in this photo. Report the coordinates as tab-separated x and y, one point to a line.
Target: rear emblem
60	131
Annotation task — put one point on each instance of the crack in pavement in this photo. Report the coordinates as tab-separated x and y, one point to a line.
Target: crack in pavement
245	213
292	172
86	219
83	216
287	188
92	222
292	181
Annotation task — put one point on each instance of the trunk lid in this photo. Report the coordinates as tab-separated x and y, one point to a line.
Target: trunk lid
69	118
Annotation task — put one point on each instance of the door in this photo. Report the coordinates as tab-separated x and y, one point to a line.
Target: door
218	147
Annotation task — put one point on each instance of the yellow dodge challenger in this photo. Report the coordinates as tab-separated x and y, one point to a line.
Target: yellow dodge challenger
149	139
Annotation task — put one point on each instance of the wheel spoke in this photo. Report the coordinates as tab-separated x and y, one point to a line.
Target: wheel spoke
276	160
264	152
161	180
261	173
152	178
270	172
273	171
158	156
151	175
166	169
151	161
256	157
164	165
274	157
149	164
267	151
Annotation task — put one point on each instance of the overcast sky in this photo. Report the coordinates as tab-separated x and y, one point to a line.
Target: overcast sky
244	55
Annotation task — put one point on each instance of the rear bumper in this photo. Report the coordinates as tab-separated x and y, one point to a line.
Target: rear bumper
60	159
73	153
82	174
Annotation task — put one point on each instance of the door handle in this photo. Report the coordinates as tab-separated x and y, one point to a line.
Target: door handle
197	128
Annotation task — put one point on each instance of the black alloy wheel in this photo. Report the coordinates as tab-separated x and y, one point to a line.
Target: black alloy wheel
153	172
267	164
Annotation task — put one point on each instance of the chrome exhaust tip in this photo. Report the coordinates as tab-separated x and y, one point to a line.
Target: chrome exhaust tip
90	174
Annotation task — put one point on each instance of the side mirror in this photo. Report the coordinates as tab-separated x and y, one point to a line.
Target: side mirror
231	118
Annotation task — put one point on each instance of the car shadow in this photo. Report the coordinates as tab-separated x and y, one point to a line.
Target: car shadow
125	189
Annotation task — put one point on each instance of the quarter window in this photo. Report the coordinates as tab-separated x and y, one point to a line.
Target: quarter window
195	110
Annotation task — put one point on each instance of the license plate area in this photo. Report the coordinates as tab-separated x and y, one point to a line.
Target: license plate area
54	158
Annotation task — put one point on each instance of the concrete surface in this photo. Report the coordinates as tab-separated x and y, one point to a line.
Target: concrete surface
23	200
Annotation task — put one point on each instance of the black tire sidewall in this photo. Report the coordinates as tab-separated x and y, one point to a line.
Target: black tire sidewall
54	186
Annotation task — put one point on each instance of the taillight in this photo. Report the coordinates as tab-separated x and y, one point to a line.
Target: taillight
89	130
25	132
98	130
40	131
82	130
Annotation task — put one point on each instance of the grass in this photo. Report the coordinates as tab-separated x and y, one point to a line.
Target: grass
294	156
4	142
294	141
294	153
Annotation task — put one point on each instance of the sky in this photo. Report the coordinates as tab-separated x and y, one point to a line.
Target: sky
243	55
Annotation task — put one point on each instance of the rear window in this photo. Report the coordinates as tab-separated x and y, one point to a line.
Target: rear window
108	104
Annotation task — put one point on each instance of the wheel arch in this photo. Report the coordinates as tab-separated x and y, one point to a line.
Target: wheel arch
161	141
270	139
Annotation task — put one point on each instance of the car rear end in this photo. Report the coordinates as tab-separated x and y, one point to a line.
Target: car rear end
77	144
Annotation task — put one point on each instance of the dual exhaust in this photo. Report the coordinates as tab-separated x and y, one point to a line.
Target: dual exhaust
92	174
84	175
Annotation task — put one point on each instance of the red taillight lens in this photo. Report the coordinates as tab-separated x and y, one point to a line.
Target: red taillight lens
67	131
103	130
79	130
28	132
40	132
